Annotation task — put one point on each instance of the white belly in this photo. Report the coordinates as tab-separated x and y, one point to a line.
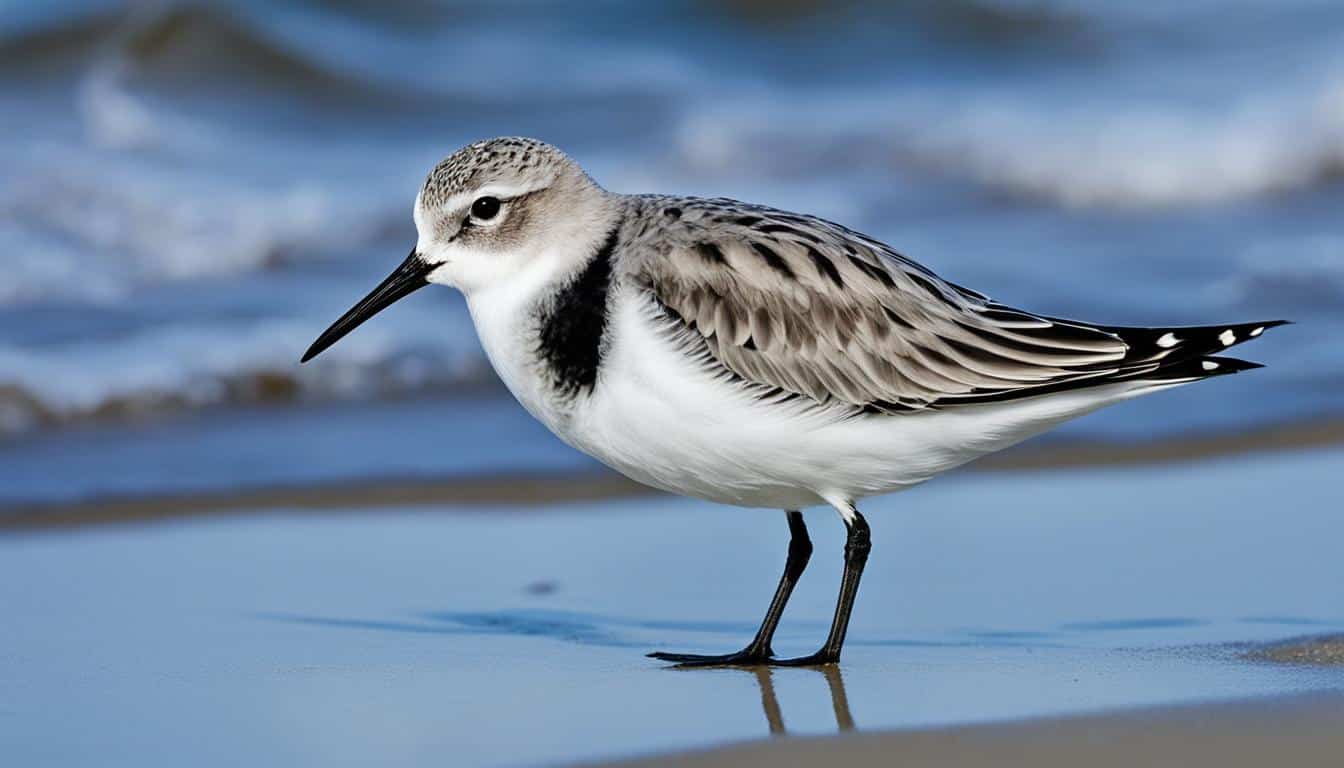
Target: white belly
656	418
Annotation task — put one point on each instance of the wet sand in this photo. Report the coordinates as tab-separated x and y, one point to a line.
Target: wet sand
1298	731
1301	730
1327	650
515	635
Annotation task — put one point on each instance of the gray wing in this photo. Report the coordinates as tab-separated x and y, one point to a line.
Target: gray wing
808	307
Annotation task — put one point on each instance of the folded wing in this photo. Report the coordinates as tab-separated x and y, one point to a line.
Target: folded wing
808	307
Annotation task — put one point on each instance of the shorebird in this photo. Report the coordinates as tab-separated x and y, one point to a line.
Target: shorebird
750	356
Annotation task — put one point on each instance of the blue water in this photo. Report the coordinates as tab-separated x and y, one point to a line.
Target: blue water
190	192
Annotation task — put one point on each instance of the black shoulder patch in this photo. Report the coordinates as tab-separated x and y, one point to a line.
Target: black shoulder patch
573	324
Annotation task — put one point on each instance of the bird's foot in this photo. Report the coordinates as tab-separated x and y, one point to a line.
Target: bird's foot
747	657
818	659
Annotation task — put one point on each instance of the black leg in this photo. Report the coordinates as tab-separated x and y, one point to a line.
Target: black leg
758	651
857	546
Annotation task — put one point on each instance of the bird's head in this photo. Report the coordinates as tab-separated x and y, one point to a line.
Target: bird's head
487	216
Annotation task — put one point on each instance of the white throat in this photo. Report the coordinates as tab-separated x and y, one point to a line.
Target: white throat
507	319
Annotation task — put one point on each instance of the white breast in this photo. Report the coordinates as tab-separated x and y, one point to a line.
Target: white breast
502	317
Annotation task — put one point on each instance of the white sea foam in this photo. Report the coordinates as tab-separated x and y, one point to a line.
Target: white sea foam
112	116
100	236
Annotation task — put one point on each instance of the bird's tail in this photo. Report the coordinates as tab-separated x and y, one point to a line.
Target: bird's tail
1187	354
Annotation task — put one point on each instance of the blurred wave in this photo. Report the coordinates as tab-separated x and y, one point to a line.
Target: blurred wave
166	370
190	191
1059	150
101	238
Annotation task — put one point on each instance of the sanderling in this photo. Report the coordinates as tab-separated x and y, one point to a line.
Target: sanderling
751	356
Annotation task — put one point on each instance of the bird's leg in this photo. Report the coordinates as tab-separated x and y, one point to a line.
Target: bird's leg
857	546
758	651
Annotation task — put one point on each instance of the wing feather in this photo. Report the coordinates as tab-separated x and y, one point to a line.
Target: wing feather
810	308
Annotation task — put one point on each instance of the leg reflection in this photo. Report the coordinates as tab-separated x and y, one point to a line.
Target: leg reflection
774	715
839	701
769	702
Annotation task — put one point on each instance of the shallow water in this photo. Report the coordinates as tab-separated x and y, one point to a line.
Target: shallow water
189	192
516	638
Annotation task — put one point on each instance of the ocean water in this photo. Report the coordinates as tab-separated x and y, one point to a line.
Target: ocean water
191	191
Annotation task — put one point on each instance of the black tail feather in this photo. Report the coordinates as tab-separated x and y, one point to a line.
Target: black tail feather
1200	368
1185	353
1172	346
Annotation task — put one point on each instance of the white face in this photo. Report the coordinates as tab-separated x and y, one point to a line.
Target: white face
479	237
465	238
507	226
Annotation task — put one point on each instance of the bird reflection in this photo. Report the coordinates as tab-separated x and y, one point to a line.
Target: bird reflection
774	717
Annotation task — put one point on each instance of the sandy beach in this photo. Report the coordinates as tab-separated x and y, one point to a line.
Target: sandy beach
1298	731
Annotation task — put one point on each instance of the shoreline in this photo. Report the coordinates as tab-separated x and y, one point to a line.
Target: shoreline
547	488
1297	730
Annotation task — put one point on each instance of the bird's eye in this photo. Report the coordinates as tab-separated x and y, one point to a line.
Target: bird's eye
485	208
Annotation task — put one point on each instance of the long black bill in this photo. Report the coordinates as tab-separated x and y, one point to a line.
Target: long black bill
411	276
